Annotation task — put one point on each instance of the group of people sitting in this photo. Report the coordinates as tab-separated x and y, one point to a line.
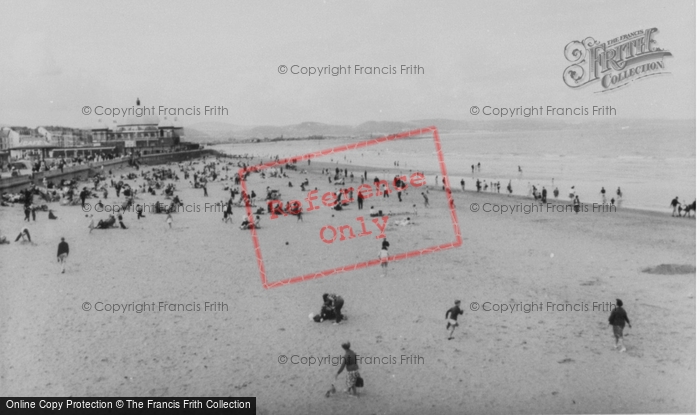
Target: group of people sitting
111	222
247	225
330	310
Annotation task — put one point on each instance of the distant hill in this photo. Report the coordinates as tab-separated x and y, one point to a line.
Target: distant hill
211	131
304	129
222	132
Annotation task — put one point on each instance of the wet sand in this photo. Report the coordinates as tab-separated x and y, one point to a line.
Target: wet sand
544	361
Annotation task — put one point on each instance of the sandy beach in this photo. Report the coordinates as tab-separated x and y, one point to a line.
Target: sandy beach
542	361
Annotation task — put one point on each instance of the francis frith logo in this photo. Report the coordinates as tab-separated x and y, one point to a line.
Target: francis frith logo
615	63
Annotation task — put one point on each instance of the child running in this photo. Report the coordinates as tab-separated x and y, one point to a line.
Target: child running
453	313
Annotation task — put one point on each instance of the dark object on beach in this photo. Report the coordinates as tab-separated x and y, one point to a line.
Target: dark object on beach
689	208
670	269
359	382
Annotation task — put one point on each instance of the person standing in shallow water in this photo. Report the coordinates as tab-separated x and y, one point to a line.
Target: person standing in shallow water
617	319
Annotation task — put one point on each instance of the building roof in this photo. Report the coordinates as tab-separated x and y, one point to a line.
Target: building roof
145	120
27	146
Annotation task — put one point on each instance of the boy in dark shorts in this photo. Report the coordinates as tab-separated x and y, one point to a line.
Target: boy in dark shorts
453	313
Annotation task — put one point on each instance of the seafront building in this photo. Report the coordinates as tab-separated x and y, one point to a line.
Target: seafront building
131	135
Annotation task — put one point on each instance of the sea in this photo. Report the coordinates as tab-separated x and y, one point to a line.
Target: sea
650	163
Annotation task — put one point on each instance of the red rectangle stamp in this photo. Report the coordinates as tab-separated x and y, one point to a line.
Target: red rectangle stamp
332	235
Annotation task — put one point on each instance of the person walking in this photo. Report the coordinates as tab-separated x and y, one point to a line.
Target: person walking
452	315
617	319
351	368
674	204
577	204
83	196
91	225
384	258
62	254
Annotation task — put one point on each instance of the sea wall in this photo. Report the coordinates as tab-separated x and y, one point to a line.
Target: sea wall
15	184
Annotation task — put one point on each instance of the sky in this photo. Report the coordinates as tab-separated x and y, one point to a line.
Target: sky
57	57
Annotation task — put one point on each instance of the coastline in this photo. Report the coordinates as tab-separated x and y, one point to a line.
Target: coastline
390	172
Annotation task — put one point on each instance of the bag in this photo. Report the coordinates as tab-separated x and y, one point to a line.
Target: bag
359	382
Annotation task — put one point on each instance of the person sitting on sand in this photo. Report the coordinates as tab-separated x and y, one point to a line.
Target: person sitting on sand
327	310
404	222
106	224
247	225
373	211
51	215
